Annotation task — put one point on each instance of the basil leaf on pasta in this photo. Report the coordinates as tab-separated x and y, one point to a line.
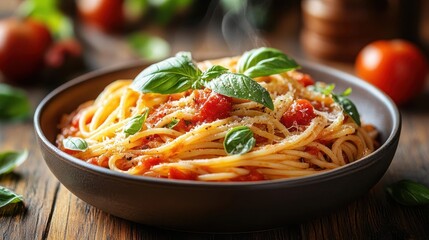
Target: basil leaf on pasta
239	140
240	86
178	74
75	144
10	160
213	72
173	75
135	124
264	62
409	193
348	107
7	197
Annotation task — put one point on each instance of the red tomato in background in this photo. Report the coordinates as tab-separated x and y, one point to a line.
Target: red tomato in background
23	44
56	56
107	15
397	67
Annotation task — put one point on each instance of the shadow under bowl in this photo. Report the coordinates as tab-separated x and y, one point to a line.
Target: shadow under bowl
216	207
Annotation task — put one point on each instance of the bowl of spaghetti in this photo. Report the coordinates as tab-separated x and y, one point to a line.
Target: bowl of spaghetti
234	144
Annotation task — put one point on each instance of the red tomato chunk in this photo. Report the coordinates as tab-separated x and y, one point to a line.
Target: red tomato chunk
305	79
212	106
300	113
209	106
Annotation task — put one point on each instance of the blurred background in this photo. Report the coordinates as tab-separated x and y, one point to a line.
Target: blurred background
90	34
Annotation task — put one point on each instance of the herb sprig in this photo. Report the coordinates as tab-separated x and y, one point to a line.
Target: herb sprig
264	62
342	99
178	74
135	124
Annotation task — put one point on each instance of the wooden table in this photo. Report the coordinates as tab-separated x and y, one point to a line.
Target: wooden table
52	212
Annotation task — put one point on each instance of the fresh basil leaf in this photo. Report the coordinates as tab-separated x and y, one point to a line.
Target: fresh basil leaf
348	107
135	124
8	197
173	123
213	72
75	144
10	160
14	103
271	66
239	140
149	47
240	86
409	193
264	62
173	75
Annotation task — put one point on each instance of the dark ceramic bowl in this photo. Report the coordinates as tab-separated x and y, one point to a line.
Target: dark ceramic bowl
216	207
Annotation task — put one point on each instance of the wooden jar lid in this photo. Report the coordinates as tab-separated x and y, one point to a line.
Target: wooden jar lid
338	29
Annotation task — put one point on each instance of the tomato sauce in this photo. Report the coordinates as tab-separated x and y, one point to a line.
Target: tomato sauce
253	175
102	161
312	150
175	173
151	141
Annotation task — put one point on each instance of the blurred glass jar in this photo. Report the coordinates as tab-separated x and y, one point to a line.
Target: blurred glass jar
339	29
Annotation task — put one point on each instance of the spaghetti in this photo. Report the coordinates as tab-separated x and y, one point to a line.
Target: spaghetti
183	134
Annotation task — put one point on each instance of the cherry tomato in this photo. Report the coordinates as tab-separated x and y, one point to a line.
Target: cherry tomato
107	15
298	115
397	67
23	44
304	79
212	106
111	15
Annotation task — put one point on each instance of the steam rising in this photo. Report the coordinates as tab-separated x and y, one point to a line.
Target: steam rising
239	34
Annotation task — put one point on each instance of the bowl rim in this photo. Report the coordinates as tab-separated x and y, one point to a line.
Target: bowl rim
365	162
